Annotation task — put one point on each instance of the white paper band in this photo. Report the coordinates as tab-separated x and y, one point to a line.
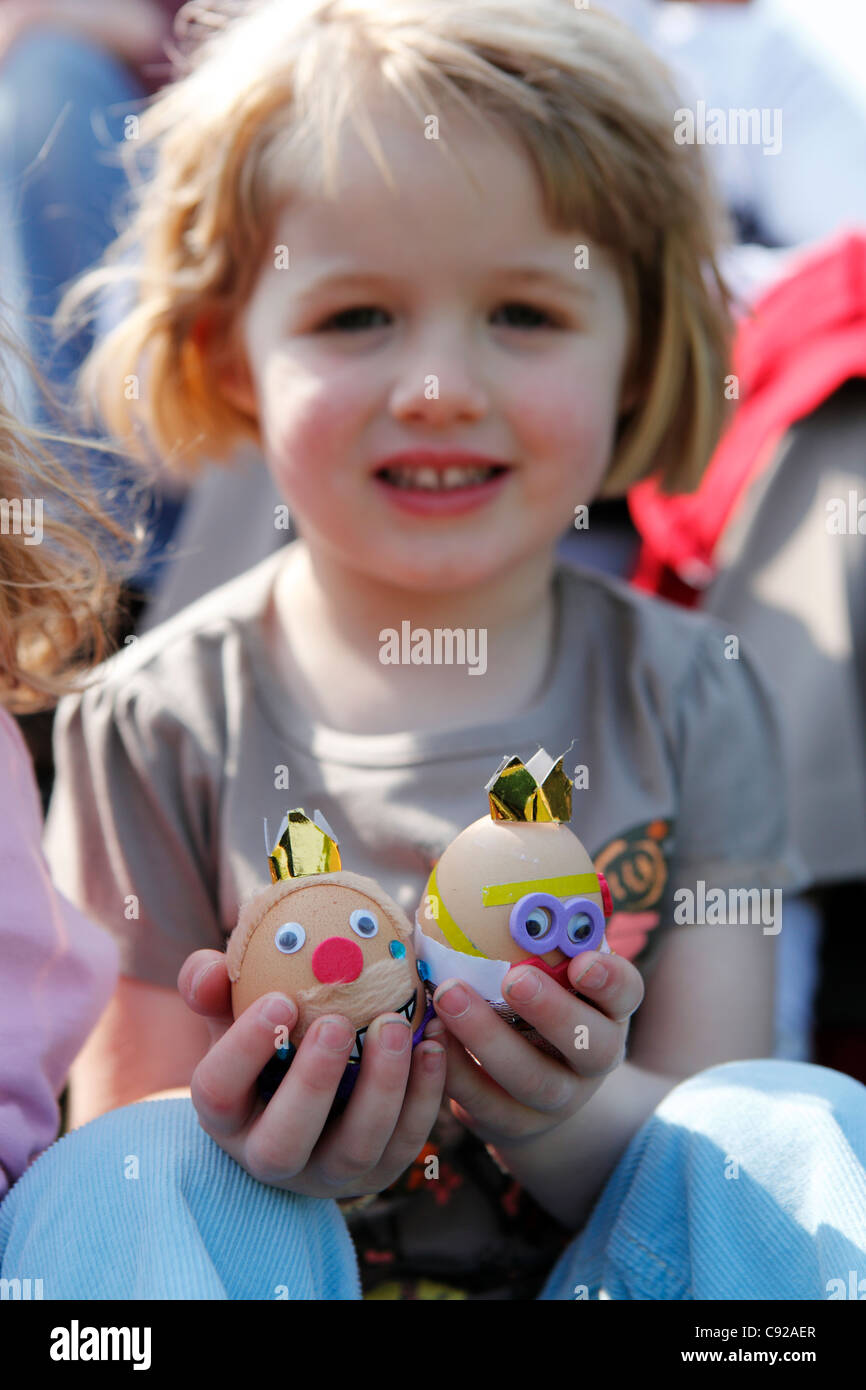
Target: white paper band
485	976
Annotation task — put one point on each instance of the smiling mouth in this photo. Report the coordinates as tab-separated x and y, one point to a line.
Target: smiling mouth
439	479
408	1012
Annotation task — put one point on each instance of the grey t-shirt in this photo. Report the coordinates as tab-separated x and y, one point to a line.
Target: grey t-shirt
167	765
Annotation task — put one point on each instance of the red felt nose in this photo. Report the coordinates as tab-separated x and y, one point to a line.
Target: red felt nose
337	961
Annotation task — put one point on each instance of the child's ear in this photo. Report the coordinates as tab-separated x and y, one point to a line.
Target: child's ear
229	364
236	384
632	393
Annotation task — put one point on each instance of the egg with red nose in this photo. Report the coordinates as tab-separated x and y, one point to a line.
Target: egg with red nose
333	942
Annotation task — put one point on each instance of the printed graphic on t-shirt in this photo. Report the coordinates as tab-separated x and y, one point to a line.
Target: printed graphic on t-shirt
636	866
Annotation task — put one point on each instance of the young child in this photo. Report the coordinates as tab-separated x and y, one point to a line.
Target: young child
448	265
58	968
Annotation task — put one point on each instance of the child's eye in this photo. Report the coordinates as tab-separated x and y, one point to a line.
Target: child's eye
353	320
347	319
529	312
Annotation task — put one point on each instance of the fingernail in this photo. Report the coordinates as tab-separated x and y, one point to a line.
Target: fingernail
592	978
201	977
335	1036
435	1028
453	1001
524	985
278	1009
394	1037
431	1055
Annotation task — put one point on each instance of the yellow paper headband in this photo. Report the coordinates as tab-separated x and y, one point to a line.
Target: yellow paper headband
445	922
499	895
567	886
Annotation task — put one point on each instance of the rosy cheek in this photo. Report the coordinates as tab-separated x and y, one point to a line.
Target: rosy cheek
570	443
297	431
554	404
293	402
312	438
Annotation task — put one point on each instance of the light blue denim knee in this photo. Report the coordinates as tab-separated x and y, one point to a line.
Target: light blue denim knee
747	1182
142	1204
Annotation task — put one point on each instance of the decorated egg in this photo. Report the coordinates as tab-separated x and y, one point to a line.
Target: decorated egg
517	886
333	941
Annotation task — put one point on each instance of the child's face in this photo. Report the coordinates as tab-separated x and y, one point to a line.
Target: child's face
440	345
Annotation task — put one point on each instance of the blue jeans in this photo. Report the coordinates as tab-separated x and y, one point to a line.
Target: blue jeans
63	104
747	1182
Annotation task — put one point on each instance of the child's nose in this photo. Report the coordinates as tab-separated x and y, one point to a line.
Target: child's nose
337	961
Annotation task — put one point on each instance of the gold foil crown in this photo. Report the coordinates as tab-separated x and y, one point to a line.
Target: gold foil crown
302	847
538	790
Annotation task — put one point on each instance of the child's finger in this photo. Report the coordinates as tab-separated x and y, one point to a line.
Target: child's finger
611	983
519	1072
280	1142
356	1144
483	1102
203	984
591	1043
420	1107
223	1083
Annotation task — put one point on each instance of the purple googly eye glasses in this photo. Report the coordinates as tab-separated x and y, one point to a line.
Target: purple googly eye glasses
540	923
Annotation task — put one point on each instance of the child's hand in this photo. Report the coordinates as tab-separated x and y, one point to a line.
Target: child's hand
518	1092
287	1144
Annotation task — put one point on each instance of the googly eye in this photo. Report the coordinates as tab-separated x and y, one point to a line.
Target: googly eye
289	938
579	927
363	922
538	922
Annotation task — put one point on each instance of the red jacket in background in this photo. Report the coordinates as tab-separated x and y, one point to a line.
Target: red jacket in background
802	340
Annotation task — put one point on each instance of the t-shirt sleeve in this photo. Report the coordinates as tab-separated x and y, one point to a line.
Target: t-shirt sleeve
732	819
130	833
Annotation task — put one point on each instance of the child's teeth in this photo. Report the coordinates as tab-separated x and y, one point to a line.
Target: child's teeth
432	480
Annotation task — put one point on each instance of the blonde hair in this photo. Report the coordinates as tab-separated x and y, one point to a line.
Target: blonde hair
59	594
256	119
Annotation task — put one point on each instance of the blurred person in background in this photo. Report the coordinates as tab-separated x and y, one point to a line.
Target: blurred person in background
73	73
755	545
798	184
